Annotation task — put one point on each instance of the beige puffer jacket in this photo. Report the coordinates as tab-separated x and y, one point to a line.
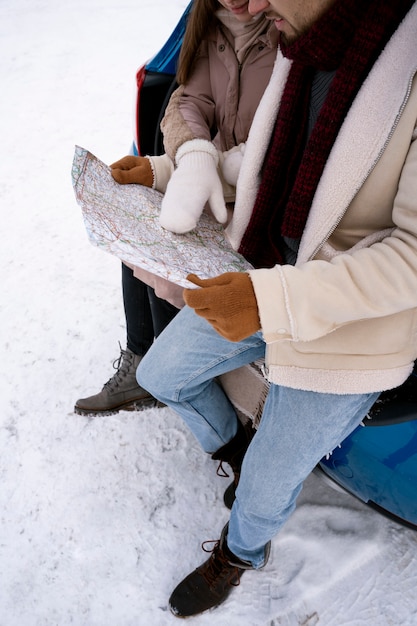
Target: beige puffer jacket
219	101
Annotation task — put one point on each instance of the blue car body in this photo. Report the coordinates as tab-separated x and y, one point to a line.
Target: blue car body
155	82
377	462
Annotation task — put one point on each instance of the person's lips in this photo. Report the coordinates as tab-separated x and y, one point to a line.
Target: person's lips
277	19
238	10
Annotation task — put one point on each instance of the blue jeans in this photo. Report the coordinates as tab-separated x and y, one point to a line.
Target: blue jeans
297	427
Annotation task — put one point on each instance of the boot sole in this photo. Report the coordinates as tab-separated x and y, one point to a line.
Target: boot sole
139	405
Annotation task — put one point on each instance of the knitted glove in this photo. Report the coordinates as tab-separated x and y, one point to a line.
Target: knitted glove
194	183
228	302
133	169
231	164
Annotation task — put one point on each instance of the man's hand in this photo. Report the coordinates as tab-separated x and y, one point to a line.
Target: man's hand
228	302
133	169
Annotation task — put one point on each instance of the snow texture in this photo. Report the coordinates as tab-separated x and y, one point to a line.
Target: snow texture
101	518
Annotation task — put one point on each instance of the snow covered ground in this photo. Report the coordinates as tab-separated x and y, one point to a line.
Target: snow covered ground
100	518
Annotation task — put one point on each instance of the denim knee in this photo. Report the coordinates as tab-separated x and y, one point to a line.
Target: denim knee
150	378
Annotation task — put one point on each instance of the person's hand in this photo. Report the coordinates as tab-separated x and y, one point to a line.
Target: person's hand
232	161
133	169
228	302
194	183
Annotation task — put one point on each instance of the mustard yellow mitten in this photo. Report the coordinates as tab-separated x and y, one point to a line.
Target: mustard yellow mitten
227	302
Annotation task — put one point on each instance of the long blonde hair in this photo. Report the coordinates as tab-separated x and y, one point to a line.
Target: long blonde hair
200	20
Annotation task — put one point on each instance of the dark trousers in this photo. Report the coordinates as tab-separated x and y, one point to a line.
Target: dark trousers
146	314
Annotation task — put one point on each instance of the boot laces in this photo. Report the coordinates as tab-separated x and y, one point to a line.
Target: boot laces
122	366
221	471
219	567
223	474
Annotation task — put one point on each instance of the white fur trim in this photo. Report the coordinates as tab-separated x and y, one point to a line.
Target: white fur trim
363	136
255	150
337	381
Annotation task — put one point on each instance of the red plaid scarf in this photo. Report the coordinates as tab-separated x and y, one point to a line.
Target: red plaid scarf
348	39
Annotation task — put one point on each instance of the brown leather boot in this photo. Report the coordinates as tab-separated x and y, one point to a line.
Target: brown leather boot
233	453
210	584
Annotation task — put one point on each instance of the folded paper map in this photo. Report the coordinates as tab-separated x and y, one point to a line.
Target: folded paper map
124	221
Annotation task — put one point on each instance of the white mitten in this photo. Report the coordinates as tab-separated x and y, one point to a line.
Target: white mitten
231	164
194	183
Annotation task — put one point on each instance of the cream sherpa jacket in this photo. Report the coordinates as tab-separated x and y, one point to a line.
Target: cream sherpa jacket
344	319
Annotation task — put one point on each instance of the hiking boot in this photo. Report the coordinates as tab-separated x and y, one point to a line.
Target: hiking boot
121	392
233	453
210	584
